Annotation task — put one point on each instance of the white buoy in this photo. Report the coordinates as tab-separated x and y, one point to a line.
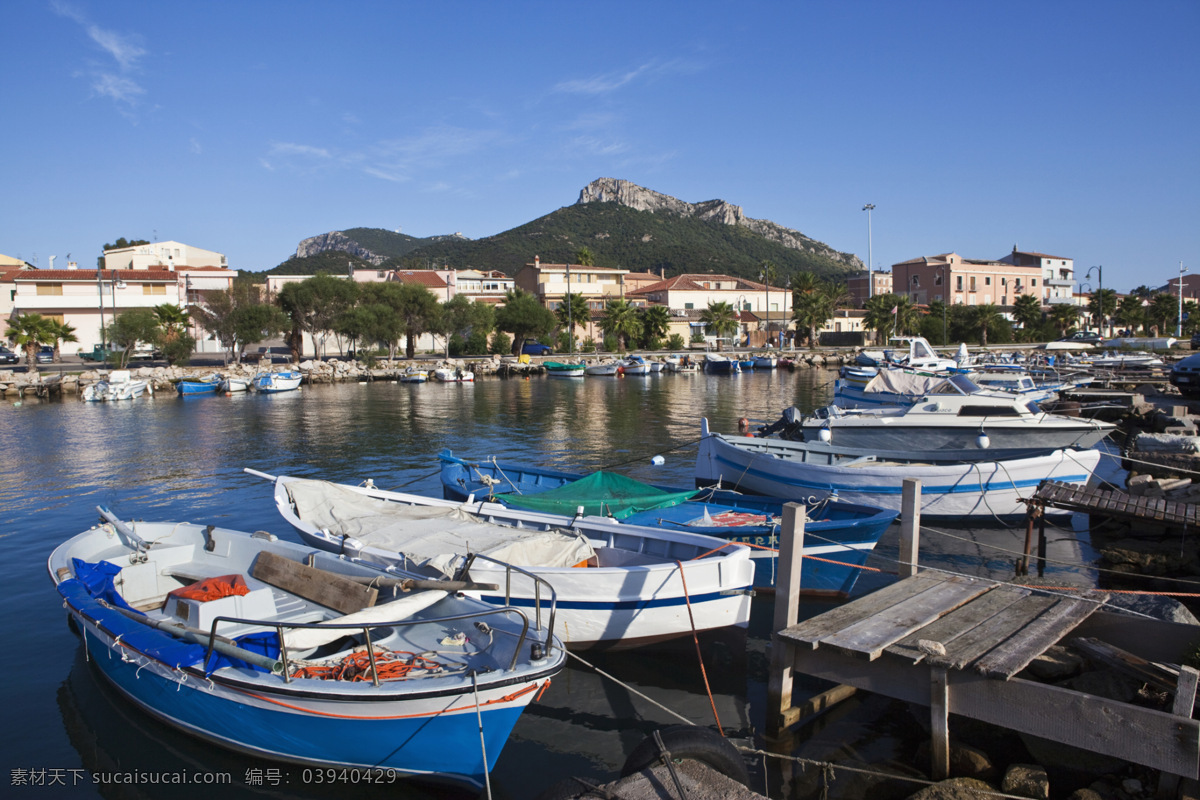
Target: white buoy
982	441
658	461
825	435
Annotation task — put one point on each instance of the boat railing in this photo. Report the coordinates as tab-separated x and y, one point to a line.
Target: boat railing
538	583
214	638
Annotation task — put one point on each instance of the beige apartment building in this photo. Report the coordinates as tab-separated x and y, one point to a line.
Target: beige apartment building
964	281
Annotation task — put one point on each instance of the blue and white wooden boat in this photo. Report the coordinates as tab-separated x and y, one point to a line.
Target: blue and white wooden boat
838	536
269	382
618	586
765	361
635	365
289	655
808	471
746	364
206	385
233	383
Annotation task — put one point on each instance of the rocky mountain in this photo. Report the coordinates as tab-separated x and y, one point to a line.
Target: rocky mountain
622	224
614	190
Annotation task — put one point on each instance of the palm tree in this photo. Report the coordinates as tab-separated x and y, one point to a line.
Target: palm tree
656	320
813	308
1027	310
1162	311
985	317
879	317
571	312
1131	313
1102	305
1064	316
62	333
720	320
29	332
621	320
584	258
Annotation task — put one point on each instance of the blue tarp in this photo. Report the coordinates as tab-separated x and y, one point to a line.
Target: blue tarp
95	582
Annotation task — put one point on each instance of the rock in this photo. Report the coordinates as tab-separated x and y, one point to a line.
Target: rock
965	761
955	789
1131	785
1026	780
1056	664
1085	794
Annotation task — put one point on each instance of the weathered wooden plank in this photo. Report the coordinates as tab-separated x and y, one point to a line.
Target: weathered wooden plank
325	588
1162	676
810	631
979	640
1156	739
957	622
871	635
1014	654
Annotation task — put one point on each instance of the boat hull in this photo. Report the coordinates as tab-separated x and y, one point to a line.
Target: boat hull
790	470
277	382
844	534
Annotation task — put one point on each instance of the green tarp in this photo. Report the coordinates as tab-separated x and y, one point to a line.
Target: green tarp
601	494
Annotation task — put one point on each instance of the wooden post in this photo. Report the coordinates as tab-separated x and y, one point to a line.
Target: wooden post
787	609
1023	562
1185	701
1042	545
910	526
939	722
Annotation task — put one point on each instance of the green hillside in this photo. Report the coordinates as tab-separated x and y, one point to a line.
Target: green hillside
619	236
333	262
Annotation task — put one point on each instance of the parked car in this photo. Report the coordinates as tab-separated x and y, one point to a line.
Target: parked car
532	347
45	354
1185	375
8	356
1196	341
1083	337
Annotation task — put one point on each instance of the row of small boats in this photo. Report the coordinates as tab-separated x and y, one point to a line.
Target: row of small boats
216	383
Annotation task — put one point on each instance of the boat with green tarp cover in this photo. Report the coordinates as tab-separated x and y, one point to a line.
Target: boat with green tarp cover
838	536
604	494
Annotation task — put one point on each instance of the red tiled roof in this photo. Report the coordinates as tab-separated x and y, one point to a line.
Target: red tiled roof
421	277
695	283
89	275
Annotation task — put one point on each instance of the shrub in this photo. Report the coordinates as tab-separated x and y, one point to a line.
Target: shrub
501	344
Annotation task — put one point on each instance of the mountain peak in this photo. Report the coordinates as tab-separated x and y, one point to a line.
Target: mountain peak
639	198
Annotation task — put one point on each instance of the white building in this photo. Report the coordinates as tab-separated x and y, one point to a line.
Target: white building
1057	272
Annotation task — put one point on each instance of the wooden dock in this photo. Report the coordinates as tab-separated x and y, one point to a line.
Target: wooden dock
1112	503
957	645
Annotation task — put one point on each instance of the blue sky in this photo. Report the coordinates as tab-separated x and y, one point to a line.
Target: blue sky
1068	128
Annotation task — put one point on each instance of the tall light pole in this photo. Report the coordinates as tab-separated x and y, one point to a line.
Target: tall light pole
766	279
942	270
570	321
869	207
1179	319
1099	282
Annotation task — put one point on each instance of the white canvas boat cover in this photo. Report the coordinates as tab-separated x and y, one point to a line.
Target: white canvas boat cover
435	537
908	383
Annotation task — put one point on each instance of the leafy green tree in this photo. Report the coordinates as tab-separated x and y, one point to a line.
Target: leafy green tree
30	332
313	305
656	321
419	312
173	337
524	317
238	318
136	325
986	317
501	344
721	320
1064	316
1191	313
469	320
933	326
675	342
622	321
1102	305
1131	313
63	333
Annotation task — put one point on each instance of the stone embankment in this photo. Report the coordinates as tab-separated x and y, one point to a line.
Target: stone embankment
54	379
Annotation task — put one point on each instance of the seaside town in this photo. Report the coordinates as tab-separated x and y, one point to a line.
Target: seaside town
549	401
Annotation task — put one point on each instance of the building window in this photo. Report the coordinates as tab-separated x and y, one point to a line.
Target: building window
1033	282
987	281
960	282
154	288
1003	281
937	281
49	288
916	280
972	283
689	305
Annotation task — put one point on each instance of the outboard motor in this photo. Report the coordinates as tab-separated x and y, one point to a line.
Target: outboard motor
788	426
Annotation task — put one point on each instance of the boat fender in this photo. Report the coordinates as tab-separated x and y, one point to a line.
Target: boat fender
744	427
681	742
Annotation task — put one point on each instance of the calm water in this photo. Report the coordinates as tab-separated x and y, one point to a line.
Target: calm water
167	458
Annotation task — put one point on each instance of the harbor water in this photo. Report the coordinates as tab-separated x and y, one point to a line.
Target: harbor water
167	458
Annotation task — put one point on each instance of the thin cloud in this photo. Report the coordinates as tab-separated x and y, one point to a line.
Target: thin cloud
612	81
124	49
285	149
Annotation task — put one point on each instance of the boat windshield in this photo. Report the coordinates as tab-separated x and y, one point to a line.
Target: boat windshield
965	384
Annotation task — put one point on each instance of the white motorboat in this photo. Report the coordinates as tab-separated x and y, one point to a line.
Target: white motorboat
272	382
233	383
920	356
636	365
120	385
559	369
453	375
268	648
603	368
618	585
810	471
902	387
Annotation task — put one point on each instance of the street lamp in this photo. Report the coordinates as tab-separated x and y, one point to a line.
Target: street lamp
1179	319
869	207
767	307
1100	283
942	272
